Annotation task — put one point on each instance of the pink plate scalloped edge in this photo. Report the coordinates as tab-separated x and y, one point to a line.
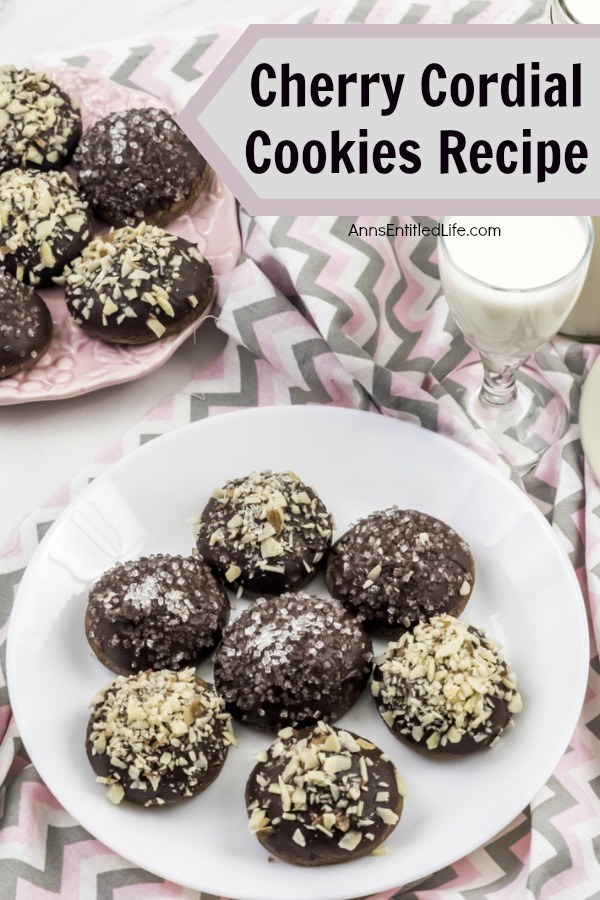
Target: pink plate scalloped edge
76	364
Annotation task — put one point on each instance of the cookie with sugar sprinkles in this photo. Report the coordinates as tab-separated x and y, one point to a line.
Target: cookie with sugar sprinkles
445	689
138	285
44	224
396	567
292	660
25	326
40	125
178	746
265	533
156	612
138	165
323	795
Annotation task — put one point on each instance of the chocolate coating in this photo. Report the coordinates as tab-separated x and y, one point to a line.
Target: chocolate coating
266	533
25	326
157	612
179	744
139	165
44	224
321	796
292	660
444	689
396	567
138	285
39	125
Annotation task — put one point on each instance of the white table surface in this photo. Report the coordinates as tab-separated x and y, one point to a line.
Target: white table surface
42	445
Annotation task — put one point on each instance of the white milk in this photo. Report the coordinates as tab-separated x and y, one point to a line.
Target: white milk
585	11
528	279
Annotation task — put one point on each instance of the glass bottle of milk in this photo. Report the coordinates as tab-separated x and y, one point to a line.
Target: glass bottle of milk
584	321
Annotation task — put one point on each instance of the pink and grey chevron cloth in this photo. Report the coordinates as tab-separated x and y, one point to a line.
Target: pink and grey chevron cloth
314	315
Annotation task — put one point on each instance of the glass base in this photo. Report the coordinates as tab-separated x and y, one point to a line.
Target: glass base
524	427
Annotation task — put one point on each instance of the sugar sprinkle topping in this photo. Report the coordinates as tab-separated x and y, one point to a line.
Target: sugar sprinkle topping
135	159
166	607
23	322
295	648
402	565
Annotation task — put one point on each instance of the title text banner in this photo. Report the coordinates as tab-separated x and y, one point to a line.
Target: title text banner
391	119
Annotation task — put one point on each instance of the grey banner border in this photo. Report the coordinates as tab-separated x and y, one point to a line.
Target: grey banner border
188	120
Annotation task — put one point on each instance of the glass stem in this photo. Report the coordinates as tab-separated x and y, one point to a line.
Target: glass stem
499	382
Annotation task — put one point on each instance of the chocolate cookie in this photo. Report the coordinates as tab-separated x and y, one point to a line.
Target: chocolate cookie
292	660
444	689
322	795
139	165
157	612
25	326
265	534
39	125
138	285
44	224
397	567
157	737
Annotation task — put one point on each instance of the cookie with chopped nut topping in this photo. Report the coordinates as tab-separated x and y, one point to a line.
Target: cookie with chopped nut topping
265	534
44	224
25	326
445	690
292	660
40	125
138	285
157	612
323	795
156	738
138	165
397	567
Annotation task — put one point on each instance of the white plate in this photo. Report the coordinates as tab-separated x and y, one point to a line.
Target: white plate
526	595
589	418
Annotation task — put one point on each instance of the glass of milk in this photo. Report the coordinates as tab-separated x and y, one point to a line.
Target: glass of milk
511	281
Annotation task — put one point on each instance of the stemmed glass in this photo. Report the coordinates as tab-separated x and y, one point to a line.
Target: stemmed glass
507	318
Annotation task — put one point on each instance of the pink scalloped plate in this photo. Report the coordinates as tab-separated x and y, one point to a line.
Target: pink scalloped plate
76	364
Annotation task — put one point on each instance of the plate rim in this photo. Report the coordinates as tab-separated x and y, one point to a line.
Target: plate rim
170	347
591	387
319	410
